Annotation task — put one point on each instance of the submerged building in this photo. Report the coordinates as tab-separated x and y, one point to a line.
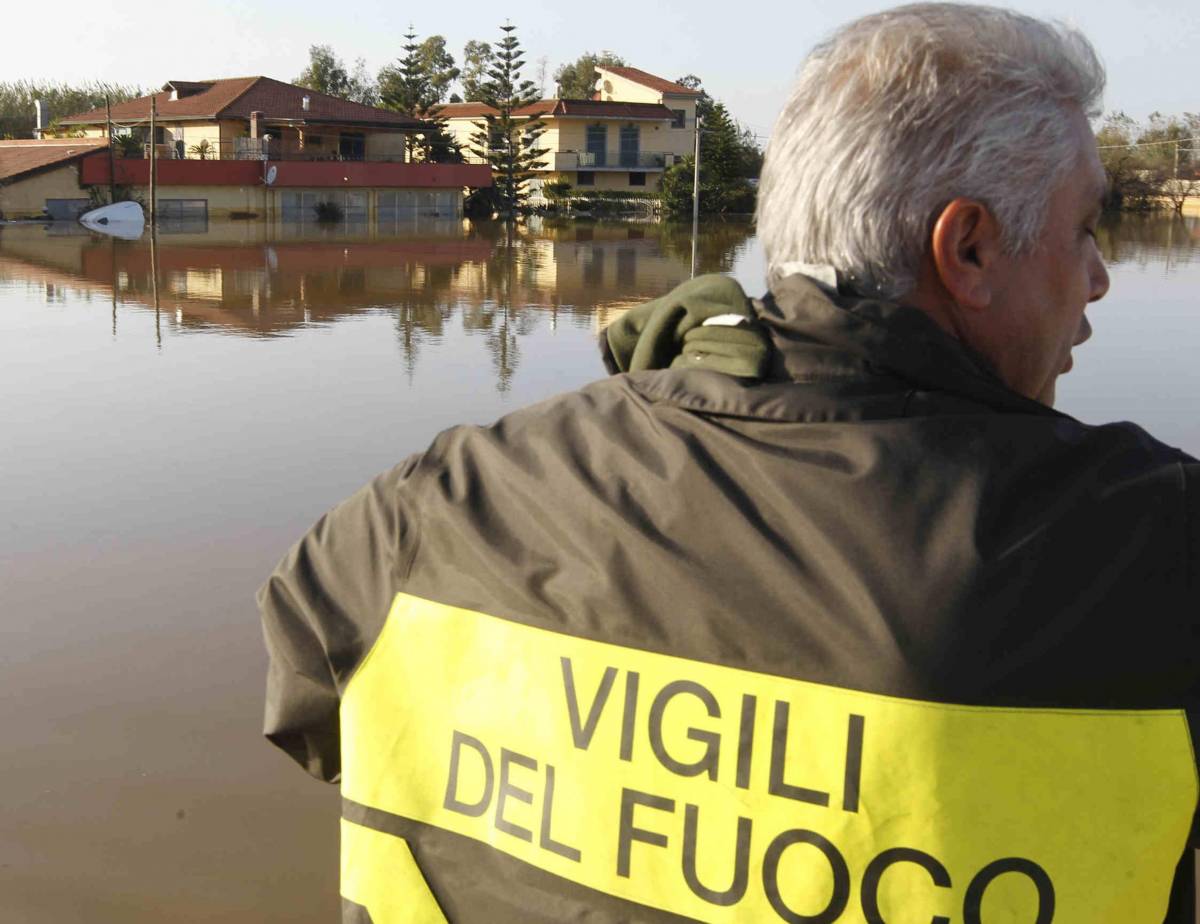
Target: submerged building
249	147
634	127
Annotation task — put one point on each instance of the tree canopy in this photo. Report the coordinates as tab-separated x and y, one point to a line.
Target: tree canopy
420	77
17	117
577	80
1152	163
729	157
477	58
326	73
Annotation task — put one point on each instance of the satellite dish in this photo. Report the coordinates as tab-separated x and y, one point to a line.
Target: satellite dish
272	172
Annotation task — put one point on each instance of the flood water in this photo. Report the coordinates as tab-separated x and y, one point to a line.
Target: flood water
155	463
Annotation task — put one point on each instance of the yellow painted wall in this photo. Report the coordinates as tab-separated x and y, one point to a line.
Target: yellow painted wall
609	179
619	88
193	134
231	129
381	145
221	199
570	134
680	141
26	198
320	142
462	129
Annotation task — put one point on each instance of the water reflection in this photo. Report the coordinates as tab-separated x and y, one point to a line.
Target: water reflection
1169	239
147	493
500	281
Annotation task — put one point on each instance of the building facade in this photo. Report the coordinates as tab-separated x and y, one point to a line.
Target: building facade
254	147
623	139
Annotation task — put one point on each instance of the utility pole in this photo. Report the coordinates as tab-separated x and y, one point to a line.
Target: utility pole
696	195
153	164
112	157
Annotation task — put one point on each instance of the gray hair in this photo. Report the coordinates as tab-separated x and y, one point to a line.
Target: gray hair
902	111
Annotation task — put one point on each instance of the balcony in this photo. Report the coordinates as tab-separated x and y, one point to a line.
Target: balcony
611	160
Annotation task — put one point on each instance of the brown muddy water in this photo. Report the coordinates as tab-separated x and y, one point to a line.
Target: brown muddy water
155	463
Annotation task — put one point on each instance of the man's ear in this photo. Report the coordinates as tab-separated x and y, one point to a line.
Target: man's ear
964	247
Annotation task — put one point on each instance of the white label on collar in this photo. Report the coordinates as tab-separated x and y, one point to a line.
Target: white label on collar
725	320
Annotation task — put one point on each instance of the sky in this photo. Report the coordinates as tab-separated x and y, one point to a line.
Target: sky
746	52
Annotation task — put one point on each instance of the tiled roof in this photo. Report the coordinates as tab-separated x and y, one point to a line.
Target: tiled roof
463	110
637	75
550	108
18	158
590	108
237	97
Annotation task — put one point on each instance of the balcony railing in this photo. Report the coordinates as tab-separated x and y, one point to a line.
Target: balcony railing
257	149
612	160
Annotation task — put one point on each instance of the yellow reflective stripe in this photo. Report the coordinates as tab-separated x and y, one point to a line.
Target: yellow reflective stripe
379	873
724	794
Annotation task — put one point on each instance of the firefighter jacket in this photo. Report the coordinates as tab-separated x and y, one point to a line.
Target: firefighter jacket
865	638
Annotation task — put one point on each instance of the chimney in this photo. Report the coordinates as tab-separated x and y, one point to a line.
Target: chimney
255	118
39	112
304	101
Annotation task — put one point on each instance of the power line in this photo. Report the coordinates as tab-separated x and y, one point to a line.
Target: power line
1146	144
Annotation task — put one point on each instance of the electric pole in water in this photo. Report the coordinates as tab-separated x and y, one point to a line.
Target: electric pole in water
153	164
112	158
696	195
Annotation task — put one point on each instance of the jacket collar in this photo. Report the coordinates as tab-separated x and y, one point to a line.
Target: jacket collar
842	344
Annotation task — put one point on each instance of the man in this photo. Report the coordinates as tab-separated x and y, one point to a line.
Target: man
823	615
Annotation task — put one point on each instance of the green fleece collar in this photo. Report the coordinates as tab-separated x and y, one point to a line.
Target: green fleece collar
704	323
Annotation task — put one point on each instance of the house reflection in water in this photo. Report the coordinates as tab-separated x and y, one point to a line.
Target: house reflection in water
257	280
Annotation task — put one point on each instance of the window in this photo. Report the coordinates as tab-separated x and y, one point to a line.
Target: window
597	144
680	118
315	140
411	203
183	208
66	209
637	179
352	146
629	145
585	178
301	205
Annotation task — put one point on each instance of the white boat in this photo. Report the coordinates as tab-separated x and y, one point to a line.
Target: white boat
125	220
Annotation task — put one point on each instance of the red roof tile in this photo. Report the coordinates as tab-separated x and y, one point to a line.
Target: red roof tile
463	110
18	158
595	109
237	97
637	75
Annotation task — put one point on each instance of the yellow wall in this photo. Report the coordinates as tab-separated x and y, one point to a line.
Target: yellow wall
388	145
192	135
26	198
221	199
462	129
619	88
674	140
231	129
608	179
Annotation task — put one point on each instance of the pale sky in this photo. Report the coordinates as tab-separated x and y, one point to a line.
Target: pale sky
745	51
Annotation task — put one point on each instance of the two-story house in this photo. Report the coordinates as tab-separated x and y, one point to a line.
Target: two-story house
257	146
635	126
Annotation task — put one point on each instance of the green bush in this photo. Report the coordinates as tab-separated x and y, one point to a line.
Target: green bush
328	212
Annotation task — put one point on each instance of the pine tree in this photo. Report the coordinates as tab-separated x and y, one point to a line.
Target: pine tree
408	86
404	86
507	141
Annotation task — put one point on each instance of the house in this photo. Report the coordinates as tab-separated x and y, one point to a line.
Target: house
260	147
43	177
245	117
634	127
